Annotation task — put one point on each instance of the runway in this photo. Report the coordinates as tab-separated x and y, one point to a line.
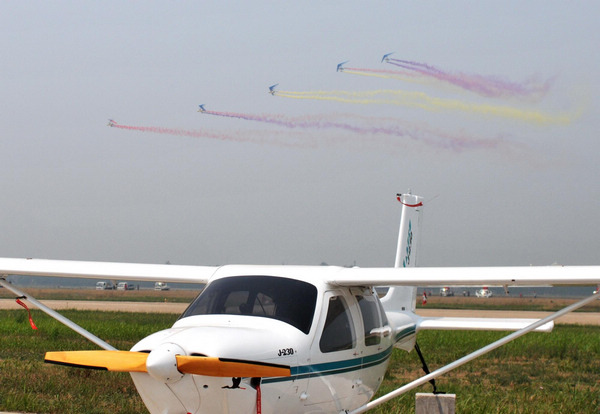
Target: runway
576	318
116	306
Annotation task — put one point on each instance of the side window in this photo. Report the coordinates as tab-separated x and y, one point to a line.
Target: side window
384	319
338	333
371	320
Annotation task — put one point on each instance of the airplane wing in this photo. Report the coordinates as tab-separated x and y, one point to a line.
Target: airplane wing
468	276
409	276
107	270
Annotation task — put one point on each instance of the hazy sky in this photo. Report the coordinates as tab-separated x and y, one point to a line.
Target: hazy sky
495	122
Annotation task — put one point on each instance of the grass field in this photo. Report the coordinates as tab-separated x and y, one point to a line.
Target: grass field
539	373
145	295
506	303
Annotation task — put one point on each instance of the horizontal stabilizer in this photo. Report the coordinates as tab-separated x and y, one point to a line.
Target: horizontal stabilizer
480	324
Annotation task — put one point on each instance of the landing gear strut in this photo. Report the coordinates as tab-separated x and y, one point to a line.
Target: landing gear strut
426	369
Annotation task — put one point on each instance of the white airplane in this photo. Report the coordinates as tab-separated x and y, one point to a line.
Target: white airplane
111	123
483	293
290	339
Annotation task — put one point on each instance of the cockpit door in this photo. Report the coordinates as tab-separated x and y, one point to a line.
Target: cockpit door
375	343
335	357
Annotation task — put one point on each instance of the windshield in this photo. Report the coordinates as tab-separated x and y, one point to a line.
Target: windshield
288	300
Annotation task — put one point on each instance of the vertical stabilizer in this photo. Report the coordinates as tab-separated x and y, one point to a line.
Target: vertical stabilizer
403	298
408	235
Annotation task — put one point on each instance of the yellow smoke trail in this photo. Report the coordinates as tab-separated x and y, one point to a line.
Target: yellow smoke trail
408	77
426	102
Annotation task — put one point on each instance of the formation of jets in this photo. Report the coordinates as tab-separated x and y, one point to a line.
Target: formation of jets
339	68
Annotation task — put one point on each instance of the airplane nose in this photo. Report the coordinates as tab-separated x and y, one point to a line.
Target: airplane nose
162	363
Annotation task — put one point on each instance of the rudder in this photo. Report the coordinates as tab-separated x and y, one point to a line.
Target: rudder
404	298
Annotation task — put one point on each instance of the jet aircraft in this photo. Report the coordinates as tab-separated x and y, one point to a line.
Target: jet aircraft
202	109
290	339
340	67
386	57
111	123
272	89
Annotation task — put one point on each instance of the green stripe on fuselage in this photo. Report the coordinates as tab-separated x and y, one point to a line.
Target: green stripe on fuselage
339	367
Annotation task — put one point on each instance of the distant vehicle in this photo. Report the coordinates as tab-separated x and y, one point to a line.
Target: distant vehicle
161	286
483	293
125	286
446	291
104	286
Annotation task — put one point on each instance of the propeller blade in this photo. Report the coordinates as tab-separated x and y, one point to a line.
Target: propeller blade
222	367
127	361
122	361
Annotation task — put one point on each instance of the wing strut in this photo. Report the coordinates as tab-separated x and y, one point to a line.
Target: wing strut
69	323
503	341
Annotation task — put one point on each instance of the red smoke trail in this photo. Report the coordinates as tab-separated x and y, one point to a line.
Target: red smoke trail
175	131
365	128
204	134
381	71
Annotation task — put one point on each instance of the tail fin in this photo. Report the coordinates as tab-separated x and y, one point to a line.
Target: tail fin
410	223
404	298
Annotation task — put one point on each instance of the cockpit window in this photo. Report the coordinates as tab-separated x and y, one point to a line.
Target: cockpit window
288	300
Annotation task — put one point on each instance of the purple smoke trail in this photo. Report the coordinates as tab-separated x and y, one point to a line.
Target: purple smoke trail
482	85
416	64
468	84
303	122
429	137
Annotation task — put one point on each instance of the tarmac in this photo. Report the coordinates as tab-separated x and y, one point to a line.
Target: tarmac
576	318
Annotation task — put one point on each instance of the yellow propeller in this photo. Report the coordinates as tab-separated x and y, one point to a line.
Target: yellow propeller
128	361
220	367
